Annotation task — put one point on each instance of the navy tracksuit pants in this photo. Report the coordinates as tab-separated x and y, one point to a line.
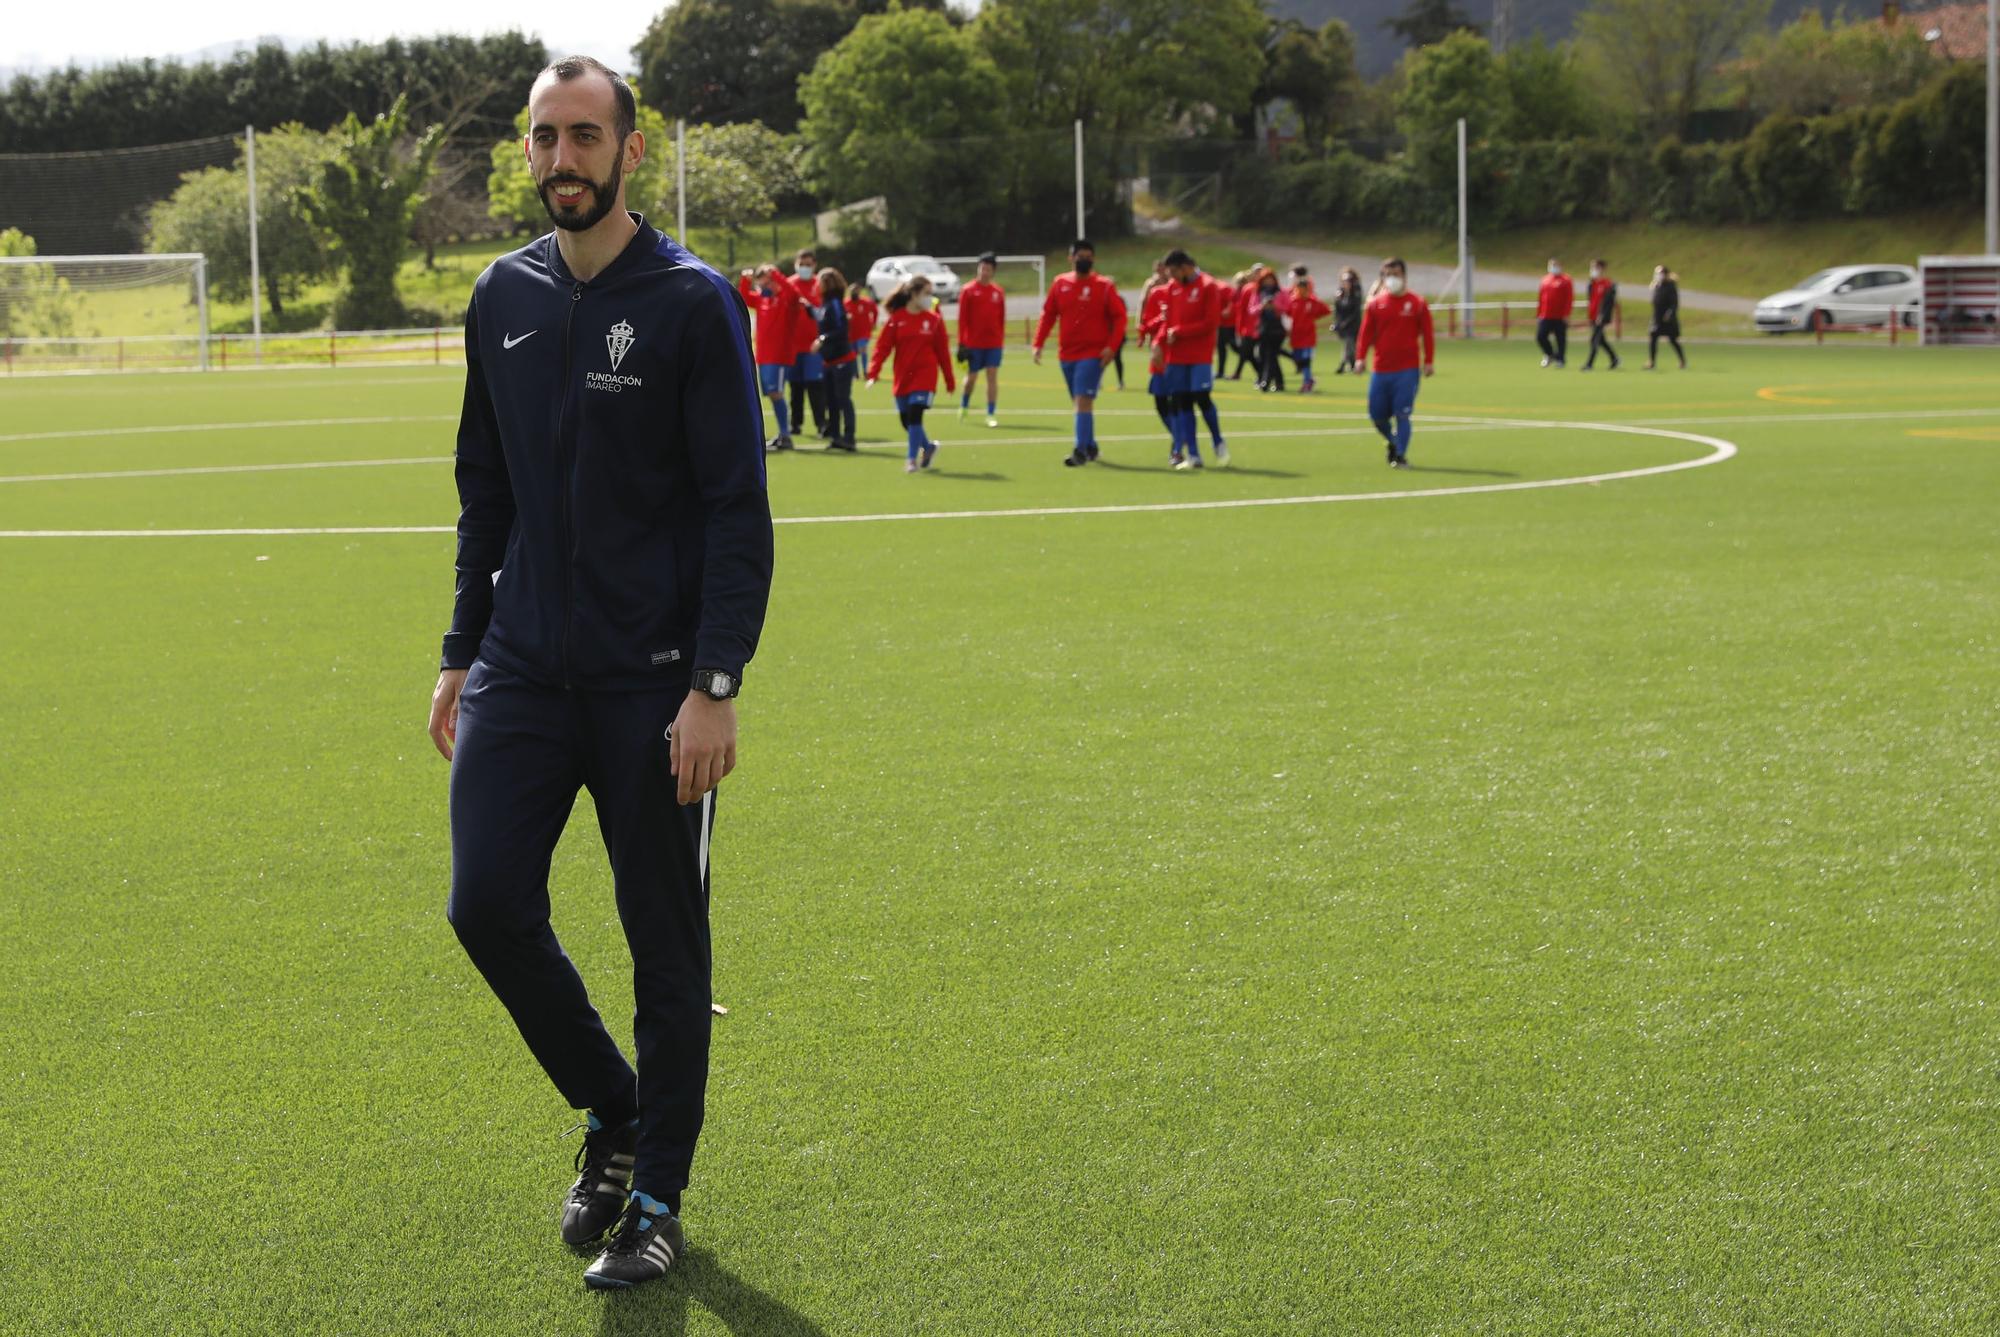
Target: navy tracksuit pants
523	751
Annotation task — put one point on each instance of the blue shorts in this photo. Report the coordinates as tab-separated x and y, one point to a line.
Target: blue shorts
809	367
918	399
771	377
861	355
1304	357
979	359
1393	392
1082	376
1189	378
1157	385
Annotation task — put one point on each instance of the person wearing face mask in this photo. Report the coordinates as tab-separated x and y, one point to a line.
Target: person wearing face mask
808	371
778	308
1396	324
862	313
1085	308
1666	317
1603	307
1270	334
1556	301
914	335
1242	316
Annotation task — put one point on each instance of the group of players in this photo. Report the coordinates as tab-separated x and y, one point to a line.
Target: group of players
815	334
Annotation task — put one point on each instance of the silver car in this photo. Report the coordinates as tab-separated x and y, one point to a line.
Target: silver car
887	274
1846	295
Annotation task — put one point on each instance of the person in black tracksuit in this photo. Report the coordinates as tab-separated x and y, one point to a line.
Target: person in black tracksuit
1603	312
1666	317
1270	336
613	570
1347	319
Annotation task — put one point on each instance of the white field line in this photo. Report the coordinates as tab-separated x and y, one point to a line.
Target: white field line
82	433
1719	450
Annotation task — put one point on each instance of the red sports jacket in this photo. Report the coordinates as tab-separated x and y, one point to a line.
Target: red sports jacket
918	340
982	315
1394	326
1092	315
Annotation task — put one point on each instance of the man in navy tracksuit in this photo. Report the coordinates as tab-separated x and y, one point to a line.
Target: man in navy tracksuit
614	562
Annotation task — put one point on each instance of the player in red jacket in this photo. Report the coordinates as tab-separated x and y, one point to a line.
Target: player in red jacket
1092	319
1304	309
808	370
1552	308
1187	329
914	335
863	313
1242	318
1395	326
778	307
982	336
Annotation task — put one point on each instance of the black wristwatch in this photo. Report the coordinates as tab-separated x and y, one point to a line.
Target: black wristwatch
716	684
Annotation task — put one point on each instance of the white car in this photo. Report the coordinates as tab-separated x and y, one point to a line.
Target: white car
887	274
1847	295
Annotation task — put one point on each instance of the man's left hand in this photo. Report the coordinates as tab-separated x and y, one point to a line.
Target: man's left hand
703	746
1428	369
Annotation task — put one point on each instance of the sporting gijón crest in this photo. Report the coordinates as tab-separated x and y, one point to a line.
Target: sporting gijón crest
617	343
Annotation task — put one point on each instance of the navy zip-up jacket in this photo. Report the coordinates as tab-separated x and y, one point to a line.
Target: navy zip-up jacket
614	530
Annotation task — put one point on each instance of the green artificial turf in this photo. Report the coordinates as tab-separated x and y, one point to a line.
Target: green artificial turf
1549	910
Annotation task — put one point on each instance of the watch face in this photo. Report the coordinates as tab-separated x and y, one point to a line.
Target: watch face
720	686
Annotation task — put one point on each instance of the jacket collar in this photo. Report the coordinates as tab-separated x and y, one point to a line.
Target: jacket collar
644	242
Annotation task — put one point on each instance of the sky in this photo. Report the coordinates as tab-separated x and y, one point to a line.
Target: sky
39	37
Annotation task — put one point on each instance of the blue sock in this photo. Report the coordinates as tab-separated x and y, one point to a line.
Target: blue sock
965	400
1086	429
916	435
1386	428
1402	435
1213	419
992	407
1187	434
784	413
652	1207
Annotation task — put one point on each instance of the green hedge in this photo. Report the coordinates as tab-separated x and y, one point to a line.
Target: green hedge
1921	152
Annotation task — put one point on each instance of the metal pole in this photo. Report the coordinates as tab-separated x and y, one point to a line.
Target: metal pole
1464	251
1993	127
201	304
256	299
1079	180
681	179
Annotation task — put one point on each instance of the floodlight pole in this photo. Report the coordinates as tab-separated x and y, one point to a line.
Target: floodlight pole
1993	127
681	178
256	299
1079	180
1464	251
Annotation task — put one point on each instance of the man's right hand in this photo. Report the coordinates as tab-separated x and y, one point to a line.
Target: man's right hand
444	710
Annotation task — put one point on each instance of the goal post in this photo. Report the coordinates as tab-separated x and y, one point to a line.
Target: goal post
104	312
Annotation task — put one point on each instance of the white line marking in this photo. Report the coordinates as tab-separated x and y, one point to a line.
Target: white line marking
221	469
1719	450
265	424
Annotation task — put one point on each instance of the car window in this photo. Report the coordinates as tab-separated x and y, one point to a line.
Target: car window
1889	278
1816	280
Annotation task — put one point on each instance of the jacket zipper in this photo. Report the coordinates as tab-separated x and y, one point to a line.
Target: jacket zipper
565	457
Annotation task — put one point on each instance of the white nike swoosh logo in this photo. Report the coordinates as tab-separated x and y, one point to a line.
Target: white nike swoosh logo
506	342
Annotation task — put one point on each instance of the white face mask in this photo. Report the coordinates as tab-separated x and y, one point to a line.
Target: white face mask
921	303
1393	283
803	270
1555	268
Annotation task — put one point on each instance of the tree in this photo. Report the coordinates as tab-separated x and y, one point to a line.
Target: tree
208	213
34	300
1810	67
890	111
1663	55
364	199
1314	71
1457	77
1428	22
736	60
1546	94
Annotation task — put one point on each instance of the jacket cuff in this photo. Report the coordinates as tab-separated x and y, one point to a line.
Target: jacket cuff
460	649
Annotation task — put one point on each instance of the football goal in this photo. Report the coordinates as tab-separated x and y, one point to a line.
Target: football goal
103	312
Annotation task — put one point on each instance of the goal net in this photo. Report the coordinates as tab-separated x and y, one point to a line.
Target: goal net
103	312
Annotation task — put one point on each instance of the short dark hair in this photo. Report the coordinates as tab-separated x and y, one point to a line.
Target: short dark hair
804	253
1601	264
989	259
1395	262
1176	256
575	67
1300	269
1082	244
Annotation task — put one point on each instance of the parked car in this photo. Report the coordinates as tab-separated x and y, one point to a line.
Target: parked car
1847	295
887	274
